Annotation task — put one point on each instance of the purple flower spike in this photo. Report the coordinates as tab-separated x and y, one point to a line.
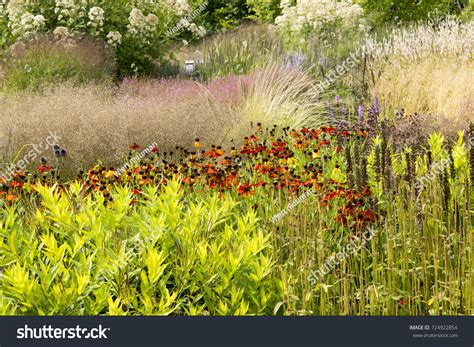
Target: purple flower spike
361	114
294	60
300	55
330	112
344	110
376	104
337	100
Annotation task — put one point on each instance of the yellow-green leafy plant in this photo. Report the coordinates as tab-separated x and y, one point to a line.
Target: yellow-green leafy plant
169	254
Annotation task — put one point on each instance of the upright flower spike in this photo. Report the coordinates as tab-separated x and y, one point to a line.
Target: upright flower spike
344	110
330	112
378	163
452	168
372	118
418	217
361	114
410	170
349	166
376	105
471	154
446	188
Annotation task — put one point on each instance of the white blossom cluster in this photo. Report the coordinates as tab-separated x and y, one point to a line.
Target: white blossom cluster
21	22
315	15
69	11
141	25
114	38
181	7
61	32
81	16
96	19
197	30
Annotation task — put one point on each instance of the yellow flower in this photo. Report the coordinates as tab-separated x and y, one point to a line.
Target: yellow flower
109	174
197	144
291	162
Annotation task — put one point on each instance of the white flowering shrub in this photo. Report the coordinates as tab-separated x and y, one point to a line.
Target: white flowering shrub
137	30
318	17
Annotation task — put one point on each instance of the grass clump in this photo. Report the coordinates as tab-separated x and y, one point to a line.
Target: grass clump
285	97
437	86
426	68
239	52
47	61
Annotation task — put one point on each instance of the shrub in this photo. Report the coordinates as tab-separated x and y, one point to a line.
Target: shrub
318	18
224	14
137	31
264	10
46	61
382	11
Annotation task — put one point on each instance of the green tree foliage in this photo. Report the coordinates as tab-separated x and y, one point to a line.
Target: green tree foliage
410	10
